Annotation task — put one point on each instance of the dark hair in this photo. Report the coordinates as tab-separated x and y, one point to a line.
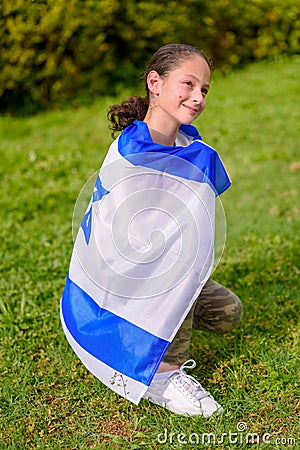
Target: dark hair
163	61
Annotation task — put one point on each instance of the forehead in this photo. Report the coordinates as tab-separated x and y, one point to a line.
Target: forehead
195	65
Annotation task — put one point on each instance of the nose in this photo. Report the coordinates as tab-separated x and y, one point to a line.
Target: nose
198	96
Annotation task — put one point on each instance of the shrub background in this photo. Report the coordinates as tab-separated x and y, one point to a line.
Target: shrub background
52	49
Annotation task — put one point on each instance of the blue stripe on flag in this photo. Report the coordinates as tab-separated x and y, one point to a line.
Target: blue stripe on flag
125	347
202	162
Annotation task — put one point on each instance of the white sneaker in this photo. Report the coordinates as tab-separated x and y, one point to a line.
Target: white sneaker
182	393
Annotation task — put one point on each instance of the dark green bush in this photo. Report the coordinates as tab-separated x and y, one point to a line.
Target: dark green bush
53	49
237	32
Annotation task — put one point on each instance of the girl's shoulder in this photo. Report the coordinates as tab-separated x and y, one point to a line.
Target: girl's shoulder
186	135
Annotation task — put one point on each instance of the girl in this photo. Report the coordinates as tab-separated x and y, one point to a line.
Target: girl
132	298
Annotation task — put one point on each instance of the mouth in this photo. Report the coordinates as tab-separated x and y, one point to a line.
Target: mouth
192	109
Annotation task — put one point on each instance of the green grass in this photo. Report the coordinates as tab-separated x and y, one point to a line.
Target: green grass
48	399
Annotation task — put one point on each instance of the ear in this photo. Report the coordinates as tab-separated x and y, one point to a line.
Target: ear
153	82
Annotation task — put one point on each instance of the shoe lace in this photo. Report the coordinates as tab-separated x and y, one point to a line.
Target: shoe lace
189	384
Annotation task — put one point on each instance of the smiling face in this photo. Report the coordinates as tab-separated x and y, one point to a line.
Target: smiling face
179	97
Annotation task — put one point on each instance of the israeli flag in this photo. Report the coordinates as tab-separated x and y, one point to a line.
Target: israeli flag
143	252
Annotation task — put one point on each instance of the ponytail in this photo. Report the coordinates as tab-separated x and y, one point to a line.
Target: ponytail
131	109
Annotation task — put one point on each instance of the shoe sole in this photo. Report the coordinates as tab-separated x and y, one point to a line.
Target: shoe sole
164	404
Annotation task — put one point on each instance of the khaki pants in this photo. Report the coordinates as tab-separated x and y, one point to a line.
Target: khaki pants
216	310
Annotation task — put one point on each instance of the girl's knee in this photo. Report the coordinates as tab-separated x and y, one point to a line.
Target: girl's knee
229	317
220	314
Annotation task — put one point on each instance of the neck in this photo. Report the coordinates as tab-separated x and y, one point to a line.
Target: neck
161	138
161	133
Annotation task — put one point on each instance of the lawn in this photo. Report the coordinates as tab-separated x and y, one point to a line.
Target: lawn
48	399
